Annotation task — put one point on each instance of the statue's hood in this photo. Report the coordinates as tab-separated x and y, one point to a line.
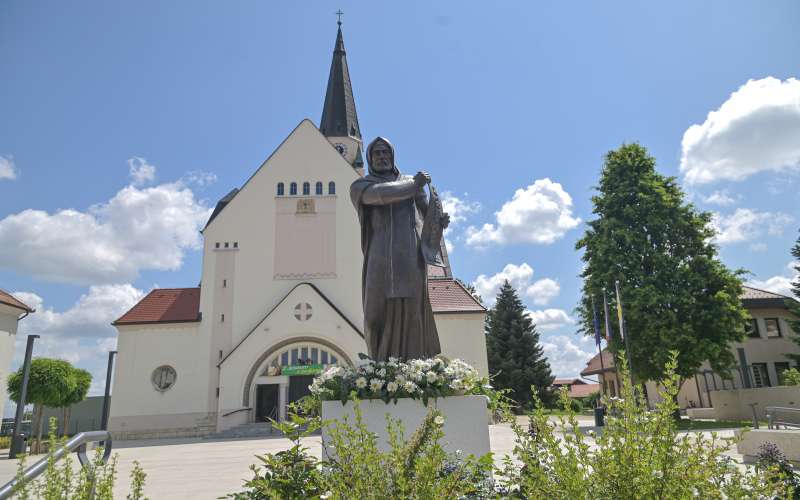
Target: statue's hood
383	176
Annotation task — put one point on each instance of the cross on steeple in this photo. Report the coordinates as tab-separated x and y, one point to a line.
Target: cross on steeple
339	15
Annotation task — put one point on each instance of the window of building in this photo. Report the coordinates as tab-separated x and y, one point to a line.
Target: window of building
773	327
760	375
780	367
306	189
293	189
217	245
227	244
331	187
163	378
318	188
235	244
752	329
280	189
222	318
224	283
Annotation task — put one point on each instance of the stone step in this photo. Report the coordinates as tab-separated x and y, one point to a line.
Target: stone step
253	429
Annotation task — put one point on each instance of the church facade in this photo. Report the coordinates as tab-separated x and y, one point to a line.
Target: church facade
280	296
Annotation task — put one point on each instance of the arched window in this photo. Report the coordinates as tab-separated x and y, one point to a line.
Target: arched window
319	188
293	189
280	189
331	187
306	189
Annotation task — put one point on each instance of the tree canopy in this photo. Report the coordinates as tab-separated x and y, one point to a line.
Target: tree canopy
515	356
794	305
676	293
51	381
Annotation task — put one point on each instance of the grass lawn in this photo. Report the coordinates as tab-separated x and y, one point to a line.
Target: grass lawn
702	425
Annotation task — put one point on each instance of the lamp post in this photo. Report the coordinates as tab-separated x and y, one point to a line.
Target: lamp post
16	440
107	397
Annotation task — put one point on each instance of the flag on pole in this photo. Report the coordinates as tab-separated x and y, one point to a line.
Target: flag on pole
605	315
596	324
619	311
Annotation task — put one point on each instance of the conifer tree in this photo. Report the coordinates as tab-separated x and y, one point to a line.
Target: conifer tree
676	294
794	305
516	359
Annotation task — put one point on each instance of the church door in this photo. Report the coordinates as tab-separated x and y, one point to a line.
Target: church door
298	386
266	402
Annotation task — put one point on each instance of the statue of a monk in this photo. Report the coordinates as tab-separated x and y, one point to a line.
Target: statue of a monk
398	320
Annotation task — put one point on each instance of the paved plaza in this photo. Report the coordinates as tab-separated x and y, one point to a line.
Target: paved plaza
206	469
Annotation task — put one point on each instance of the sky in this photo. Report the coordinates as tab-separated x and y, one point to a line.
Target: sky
124	122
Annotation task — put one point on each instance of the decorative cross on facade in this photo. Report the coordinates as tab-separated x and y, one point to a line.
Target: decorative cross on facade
303	311
339	14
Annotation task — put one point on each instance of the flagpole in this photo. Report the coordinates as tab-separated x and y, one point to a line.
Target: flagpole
599	344
608	335
621	331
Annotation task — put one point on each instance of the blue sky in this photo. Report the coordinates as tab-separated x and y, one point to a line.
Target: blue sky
114	113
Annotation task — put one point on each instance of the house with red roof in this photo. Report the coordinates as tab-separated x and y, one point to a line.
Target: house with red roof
280	296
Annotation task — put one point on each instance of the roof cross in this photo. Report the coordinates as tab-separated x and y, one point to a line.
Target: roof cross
339	14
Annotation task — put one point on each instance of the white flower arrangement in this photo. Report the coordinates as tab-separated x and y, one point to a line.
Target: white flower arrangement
393	379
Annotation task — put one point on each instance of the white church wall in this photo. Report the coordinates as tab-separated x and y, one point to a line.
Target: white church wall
281	328
8	335
138	409
461	336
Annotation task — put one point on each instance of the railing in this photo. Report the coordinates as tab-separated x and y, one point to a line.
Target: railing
78	444
774	421
235	411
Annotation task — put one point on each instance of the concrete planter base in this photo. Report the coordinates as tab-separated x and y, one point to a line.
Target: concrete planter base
788	441
466	424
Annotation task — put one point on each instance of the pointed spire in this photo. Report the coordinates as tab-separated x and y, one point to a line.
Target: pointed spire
339	117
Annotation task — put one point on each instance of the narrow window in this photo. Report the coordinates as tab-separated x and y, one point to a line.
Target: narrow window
752	329
293	189
222	318
220	354
773	327
224	283
217	245
285	358
217	391
306	189
227	244
331	187
324	357
235	244
319	188
280	189
760	375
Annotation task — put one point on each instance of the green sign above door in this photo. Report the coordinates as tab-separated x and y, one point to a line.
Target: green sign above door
301	370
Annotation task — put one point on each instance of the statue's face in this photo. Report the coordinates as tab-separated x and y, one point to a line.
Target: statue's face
381	159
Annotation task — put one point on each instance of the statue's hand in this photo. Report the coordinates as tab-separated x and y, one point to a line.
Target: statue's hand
445	220
422	178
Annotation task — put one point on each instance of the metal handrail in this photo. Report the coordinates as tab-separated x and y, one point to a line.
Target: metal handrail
77	443
771	410
235	411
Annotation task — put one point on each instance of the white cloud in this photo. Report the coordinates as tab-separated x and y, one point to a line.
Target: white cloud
199	178
458	209
755	130
721	198
519	276
746	224
539	214
550	319
139	228
567	355
7	168
141	172
90	316
781	284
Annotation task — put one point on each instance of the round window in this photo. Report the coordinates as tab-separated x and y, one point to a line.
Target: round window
164	378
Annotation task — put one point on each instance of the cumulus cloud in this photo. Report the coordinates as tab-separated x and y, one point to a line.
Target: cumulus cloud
458	209
140	171
781	284
520	277
550	319
539	214
746	224
721	198
567	355
139	228
8	171
754	131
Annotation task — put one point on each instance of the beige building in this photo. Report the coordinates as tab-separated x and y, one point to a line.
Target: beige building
761	357
12	311
280	295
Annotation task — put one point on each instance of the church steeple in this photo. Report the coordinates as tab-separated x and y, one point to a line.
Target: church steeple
339	121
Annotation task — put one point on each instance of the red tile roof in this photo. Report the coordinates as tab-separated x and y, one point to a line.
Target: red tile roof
583	390
593	366
749	293
567	381
164	305
9	300
448	296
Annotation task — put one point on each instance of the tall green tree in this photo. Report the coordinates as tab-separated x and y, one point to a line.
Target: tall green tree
516	359
83	380
794	305
676	293
50	382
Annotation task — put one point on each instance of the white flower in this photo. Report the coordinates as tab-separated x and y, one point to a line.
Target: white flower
375	384
391	387
438	420
368	369
410	386
361	382
327	494
456	384
400	380
381	372
431	377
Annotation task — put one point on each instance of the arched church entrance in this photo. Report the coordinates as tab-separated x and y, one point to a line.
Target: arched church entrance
284	372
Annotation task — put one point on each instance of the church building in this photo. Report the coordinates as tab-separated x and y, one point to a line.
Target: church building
280	295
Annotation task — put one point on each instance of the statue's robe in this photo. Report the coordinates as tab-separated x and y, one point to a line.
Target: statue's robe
398	320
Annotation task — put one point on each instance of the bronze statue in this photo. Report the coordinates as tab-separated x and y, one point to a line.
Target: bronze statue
401	234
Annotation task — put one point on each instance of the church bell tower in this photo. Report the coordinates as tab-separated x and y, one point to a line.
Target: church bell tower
339	121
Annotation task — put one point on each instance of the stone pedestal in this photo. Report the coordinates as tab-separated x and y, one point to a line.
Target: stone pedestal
466	424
